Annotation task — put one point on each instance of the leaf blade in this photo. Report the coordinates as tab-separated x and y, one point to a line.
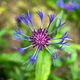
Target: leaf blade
55	22
43	65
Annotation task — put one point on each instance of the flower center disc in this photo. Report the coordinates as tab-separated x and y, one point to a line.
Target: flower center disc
39	38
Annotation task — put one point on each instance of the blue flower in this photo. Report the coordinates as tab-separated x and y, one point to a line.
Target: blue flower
70	5
40	38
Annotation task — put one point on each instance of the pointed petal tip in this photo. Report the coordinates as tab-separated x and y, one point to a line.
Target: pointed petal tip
20	50
51	17
18	19
32	59
40	14
54	55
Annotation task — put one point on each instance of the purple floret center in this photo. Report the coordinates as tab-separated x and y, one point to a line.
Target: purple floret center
39	38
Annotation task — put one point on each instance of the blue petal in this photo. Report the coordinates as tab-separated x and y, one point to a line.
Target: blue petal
51	18
60	3
76	5
40	14
34	56
18	18
17	37
54	55
19	32
29	18
57	27
21	50
63	38
24	19
32	59
65	35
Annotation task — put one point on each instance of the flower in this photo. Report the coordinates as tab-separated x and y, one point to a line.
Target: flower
40	38
70	5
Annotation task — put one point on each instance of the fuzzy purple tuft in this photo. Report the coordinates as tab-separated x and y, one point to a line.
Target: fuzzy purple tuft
39	38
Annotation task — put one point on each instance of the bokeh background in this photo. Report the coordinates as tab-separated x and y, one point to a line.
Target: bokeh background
11	67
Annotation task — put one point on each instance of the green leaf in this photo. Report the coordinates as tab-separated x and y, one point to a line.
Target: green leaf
57	62
55	77
3	41
50	3
11	57
43	65
76	46
55	22
73	53
4	31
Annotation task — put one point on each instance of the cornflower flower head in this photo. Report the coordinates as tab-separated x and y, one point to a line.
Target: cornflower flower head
71	5
40	38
